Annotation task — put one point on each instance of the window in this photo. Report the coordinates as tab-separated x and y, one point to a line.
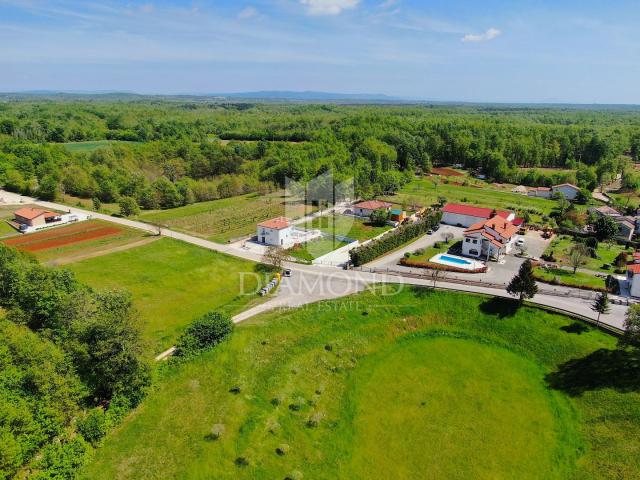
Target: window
473	251
475	241
468	240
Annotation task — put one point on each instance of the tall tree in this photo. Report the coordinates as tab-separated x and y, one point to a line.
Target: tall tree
577	255
601	305
631	335
523	284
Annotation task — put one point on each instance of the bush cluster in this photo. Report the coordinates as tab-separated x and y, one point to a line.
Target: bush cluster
206	332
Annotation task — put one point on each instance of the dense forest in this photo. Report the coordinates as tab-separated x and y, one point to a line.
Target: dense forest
162	154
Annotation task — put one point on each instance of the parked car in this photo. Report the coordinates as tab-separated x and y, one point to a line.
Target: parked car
520	242
430	232
286	272
436	228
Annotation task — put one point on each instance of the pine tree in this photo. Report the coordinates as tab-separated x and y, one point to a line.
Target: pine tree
524	283
601	305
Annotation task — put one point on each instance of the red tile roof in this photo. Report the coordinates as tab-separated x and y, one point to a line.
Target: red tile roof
275	223
372	204
502	227
30	213
472	211
541	189
634	268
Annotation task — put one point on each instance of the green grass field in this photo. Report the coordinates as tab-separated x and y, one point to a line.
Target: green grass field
315	249
425	192
173	283
391	387
75	147
561	246
225	219
346	226
561	276
424	255
6	213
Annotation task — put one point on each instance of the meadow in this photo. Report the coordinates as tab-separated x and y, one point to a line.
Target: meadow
172	283
346	226
391	387
561	246
226	219
425	192
561	276
90	146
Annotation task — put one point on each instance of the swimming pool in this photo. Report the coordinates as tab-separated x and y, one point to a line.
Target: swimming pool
458	260
455	261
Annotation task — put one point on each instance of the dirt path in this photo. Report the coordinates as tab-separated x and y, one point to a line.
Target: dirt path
99	253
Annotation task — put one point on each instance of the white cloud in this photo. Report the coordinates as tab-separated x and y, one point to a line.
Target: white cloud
328	7
482	37
248	12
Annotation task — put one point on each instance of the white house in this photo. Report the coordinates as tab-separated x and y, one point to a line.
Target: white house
466	215
277	231
569	191
366	208
490	238
633	277
542	192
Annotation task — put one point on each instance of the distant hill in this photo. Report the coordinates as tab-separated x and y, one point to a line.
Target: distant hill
309	95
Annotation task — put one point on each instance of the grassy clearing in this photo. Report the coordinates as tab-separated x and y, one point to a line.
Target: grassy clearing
172	283
560	276
6	213
425	254
314	249
426	192
372	386
561	246
88	147
346	226
225	219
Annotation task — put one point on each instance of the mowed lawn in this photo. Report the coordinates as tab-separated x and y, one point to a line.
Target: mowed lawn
426	192
346	226
172	283
226	219
421	384
561	246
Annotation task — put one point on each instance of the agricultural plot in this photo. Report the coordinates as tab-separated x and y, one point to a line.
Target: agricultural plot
173	282
62	244
425	192
226	219
391	386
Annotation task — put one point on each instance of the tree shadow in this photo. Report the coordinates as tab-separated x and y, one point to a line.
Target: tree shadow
576	327
263	268
501	307
617	369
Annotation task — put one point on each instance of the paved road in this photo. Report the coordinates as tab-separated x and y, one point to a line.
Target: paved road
313	283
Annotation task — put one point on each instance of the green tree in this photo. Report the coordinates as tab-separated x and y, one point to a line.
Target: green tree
523	284
577	255
48	188
379	217
601	305
128	206
631	335
204	333
605	228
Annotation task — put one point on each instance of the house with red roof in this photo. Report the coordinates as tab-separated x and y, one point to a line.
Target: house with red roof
462	215
366	208
489	238
277	231
633	277
35	217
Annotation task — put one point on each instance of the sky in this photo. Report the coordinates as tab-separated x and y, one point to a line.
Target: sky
585	51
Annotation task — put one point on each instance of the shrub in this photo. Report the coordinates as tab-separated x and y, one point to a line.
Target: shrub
407	254
62	459
93	426
205	333
282	449
241	462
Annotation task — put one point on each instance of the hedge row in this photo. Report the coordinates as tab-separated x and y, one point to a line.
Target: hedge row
438	266
393	239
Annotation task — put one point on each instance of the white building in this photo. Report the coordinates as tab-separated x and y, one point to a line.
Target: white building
466	215
277	231
366	208
541	192
490	238
633	277
569	191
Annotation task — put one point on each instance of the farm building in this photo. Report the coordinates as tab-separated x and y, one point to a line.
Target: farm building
366	208
569	191
541	192
34	217
490	238
467	215
277	231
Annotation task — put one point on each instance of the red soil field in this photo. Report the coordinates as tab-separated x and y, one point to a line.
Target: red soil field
66	236
446	172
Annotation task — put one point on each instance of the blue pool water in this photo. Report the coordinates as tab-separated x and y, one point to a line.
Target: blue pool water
459	261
